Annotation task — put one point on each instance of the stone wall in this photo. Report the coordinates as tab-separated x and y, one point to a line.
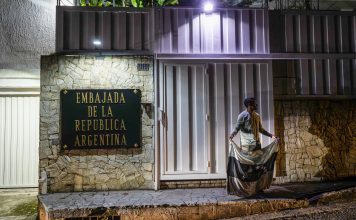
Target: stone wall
94	169
318	140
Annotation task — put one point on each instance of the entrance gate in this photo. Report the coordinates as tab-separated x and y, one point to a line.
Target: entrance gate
19	138
199	105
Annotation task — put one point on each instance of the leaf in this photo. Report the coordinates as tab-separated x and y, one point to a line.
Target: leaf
127	3
160	2
172	2
134	3
119	3
83	2
138	3
167	2
92	2
104	3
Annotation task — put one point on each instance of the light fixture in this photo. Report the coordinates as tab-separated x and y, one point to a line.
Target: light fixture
208	7
97	42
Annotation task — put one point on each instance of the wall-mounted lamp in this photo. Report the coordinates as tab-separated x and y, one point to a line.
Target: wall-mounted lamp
97	42
208	7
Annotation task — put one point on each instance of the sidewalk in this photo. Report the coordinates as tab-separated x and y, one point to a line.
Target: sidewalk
18	204
202	203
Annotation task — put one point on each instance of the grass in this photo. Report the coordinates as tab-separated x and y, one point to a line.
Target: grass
27	208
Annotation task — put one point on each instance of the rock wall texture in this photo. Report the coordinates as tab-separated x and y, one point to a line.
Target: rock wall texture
318	140
87	170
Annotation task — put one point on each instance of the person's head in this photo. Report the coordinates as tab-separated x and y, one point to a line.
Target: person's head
250	104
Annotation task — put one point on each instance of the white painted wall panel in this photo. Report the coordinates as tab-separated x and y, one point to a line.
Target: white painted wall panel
19	138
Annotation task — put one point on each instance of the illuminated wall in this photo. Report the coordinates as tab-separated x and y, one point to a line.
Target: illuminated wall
94	169
318	140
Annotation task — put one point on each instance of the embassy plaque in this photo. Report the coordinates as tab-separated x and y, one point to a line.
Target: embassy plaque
99	118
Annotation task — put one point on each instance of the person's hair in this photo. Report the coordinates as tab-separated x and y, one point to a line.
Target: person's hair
249	100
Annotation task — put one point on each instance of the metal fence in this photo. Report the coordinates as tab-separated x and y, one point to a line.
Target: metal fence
322	43
312	32
306	5
270	4
86	29
225	31
332	78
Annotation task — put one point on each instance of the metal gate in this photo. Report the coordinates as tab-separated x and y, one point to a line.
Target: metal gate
19	138
199	105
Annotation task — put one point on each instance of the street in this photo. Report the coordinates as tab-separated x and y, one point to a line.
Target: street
343	211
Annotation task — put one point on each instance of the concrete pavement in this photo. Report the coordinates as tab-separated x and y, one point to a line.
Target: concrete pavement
331	205
341	211
202	203
298	200
18	204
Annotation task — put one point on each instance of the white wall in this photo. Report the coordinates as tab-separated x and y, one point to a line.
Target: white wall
27	31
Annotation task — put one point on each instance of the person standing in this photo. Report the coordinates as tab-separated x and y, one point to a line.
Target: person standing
250	167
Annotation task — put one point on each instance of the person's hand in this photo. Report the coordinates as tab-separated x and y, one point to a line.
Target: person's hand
231	136
275	138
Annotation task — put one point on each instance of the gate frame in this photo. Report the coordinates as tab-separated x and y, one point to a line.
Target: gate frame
193	60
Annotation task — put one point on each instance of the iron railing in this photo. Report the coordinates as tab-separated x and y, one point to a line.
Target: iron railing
182	3
270	4
308	5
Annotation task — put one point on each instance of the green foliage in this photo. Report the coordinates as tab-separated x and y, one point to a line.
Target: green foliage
240	2
122	3
167	2
128	3
137	3
98	3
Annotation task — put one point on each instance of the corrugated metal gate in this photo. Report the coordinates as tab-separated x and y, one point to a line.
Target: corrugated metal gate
116	29
19	138
199	105
224	31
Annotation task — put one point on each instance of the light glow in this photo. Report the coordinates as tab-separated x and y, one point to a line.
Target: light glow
97	42
208	7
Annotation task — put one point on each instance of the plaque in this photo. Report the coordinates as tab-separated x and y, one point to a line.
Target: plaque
98	118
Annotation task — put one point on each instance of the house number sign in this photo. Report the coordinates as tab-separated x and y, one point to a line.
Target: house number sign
100	118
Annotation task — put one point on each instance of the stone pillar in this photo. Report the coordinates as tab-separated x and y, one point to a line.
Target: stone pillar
94	169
